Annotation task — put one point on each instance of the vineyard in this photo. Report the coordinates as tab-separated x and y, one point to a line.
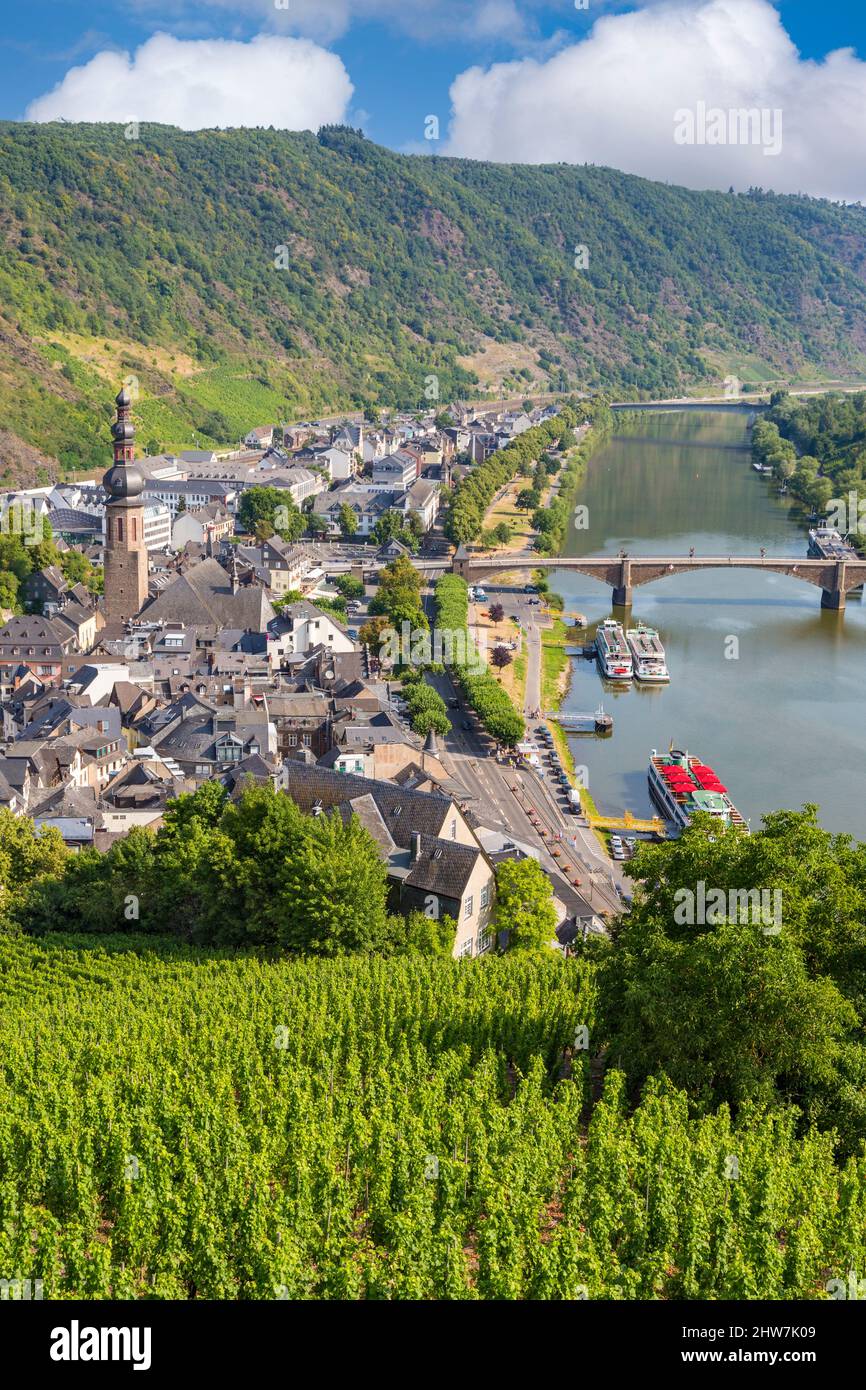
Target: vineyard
180	1125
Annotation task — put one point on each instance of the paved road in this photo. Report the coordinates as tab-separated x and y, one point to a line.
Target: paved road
527	610
505	799
532	701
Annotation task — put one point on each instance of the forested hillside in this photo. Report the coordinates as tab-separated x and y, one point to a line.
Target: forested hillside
250	276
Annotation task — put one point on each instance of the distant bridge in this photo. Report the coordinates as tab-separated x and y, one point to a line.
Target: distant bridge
747	403
835	578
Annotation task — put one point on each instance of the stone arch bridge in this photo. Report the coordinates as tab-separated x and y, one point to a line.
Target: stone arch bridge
835	578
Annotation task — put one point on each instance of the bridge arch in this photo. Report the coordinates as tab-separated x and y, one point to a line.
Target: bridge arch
835	578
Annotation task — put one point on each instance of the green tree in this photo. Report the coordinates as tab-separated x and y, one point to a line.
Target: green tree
524	905
388	527
348	521
76	567
305	884
8	590
257	508
372	634
268	511
349	586
434	719
399	595
27	855
750	999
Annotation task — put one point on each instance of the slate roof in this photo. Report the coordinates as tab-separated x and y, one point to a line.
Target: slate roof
14	772
297	705
52	576
368	813
196	736
254	766
8	793
203	596
443	867
401	810
27	630
74	802
360	500
74	615
127	696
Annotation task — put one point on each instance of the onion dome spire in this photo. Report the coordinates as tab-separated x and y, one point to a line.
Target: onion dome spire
123	481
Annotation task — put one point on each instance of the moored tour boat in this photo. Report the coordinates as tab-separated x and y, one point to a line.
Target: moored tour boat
612	651
681	786
648	655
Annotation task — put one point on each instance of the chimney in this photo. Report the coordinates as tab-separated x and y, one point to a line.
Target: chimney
416	846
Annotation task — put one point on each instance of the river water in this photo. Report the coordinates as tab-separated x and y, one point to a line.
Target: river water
780	714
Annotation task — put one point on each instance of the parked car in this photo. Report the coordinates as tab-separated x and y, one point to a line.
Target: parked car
454	703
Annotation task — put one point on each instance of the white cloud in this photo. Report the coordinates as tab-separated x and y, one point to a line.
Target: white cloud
326	20
284	82
611	99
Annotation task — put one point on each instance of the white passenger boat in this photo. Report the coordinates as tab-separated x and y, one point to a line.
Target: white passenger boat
612	651
648	655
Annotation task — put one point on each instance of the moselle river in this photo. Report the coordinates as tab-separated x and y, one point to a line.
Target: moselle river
779	714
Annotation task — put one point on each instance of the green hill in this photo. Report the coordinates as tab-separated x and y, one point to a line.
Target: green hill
159	257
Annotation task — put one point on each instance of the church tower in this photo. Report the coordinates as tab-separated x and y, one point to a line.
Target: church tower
125	550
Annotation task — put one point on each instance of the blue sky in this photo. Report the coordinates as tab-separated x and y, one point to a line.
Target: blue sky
399	78
388	64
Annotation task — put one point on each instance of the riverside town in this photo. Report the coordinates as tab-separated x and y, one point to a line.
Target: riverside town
432	670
